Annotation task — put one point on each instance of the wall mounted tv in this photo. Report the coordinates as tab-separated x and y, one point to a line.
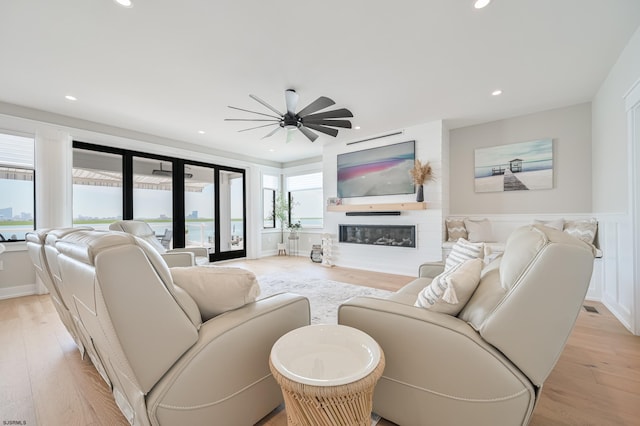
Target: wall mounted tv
377	171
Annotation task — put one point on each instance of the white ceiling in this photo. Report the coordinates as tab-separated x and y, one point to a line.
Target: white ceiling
170	68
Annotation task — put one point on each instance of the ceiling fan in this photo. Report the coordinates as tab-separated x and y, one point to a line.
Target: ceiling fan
305	120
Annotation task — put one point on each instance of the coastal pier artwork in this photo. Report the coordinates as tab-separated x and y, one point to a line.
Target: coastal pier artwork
515	167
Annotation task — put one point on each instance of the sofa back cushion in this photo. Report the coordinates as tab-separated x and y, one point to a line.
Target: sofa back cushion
527	302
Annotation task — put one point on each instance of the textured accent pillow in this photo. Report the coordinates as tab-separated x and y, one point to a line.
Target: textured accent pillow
479	230
455	229
584	230
555	223
462	251
451	290
217	289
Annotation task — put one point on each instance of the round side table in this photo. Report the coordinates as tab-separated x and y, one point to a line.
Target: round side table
327	374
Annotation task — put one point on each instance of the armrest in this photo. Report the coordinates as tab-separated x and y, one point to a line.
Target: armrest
434	353
197	251
228	367
178	259
430	269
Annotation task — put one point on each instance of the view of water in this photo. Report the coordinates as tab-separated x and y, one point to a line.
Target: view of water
527	166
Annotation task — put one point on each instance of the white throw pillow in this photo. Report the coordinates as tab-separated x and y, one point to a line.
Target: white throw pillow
555	223
479	230
452	289
455	229
217	289
584	230
464	250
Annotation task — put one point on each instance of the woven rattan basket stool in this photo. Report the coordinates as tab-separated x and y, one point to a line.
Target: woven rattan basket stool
327	374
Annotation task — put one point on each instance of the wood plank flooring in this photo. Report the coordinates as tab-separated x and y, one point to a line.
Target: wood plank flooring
43	380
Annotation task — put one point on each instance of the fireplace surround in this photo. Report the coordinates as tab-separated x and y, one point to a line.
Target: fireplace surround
379	235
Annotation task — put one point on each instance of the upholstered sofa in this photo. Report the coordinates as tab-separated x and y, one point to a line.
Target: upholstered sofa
188	256
168	362
494	231
487	364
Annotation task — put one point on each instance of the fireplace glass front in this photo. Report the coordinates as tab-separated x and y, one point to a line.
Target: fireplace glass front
379	235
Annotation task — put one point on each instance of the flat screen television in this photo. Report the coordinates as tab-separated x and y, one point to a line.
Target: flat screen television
377	171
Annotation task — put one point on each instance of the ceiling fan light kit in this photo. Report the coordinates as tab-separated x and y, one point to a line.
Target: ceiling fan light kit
306	120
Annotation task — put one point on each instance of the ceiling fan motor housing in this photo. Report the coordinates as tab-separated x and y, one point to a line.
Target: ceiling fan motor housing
290	122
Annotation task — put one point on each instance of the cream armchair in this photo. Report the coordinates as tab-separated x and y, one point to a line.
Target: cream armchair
166	366
175	257
487	365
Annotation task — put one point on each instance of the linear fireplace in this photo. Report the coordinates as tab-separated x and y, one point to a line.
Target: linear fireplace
379	235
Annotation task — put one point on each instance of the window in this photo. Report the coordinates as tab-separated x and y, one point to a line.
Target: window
153	194
17	209
269	185
186	203
306	200
97	188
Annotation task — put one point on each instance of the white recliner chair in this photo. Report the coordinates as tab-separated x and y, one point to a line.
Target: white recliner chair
167	366
174	257
487	365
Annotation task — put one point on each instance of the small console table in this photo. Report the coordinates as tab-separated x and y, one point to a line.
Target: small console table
293	245
327	374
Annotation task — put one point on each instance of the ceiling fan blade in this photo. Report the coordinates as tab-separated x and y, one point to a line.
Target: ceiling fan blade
257	127
336	113
326	130
252	112
271	133
291	98
254	97
333	123
250	119
321	103
308	133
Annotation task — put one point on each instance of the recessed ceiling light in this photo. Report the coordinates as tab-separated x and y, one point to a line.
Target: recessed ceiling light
357	127
202	132
272	150
479	4
496	92
124	3
71	98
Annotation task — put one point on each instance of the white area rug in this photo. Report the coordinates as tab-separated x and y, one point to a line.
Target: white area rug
325	296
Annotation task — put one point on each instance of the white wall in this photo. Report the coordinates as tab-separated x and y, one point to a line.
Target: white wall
609	146
570	129
399	260
612	182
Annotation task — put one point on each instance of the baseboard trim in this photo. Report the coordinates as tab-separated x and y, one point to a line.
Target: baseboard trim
18	291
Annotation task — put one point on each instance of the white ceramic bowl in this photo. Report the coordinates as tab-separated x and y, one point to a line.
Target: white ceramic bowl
325	355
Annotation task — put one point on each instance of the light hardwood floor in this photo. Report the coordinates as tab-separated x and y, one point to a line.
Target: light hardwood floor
43	380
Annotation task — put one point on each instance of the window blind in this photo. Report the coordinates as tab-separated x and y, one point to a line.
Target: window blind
301	182
16	151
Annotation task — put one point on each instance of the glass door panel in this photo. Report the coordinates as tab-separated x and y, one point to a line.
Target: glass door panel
152	196
232	211
97	188
199	207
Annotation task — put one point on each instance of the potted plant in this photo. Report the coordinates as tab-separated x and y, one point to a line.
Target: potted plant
294	228
421	174
282	209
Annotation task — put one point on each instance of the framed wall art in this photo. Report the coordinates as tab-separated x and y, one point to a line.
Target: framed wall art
519	166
